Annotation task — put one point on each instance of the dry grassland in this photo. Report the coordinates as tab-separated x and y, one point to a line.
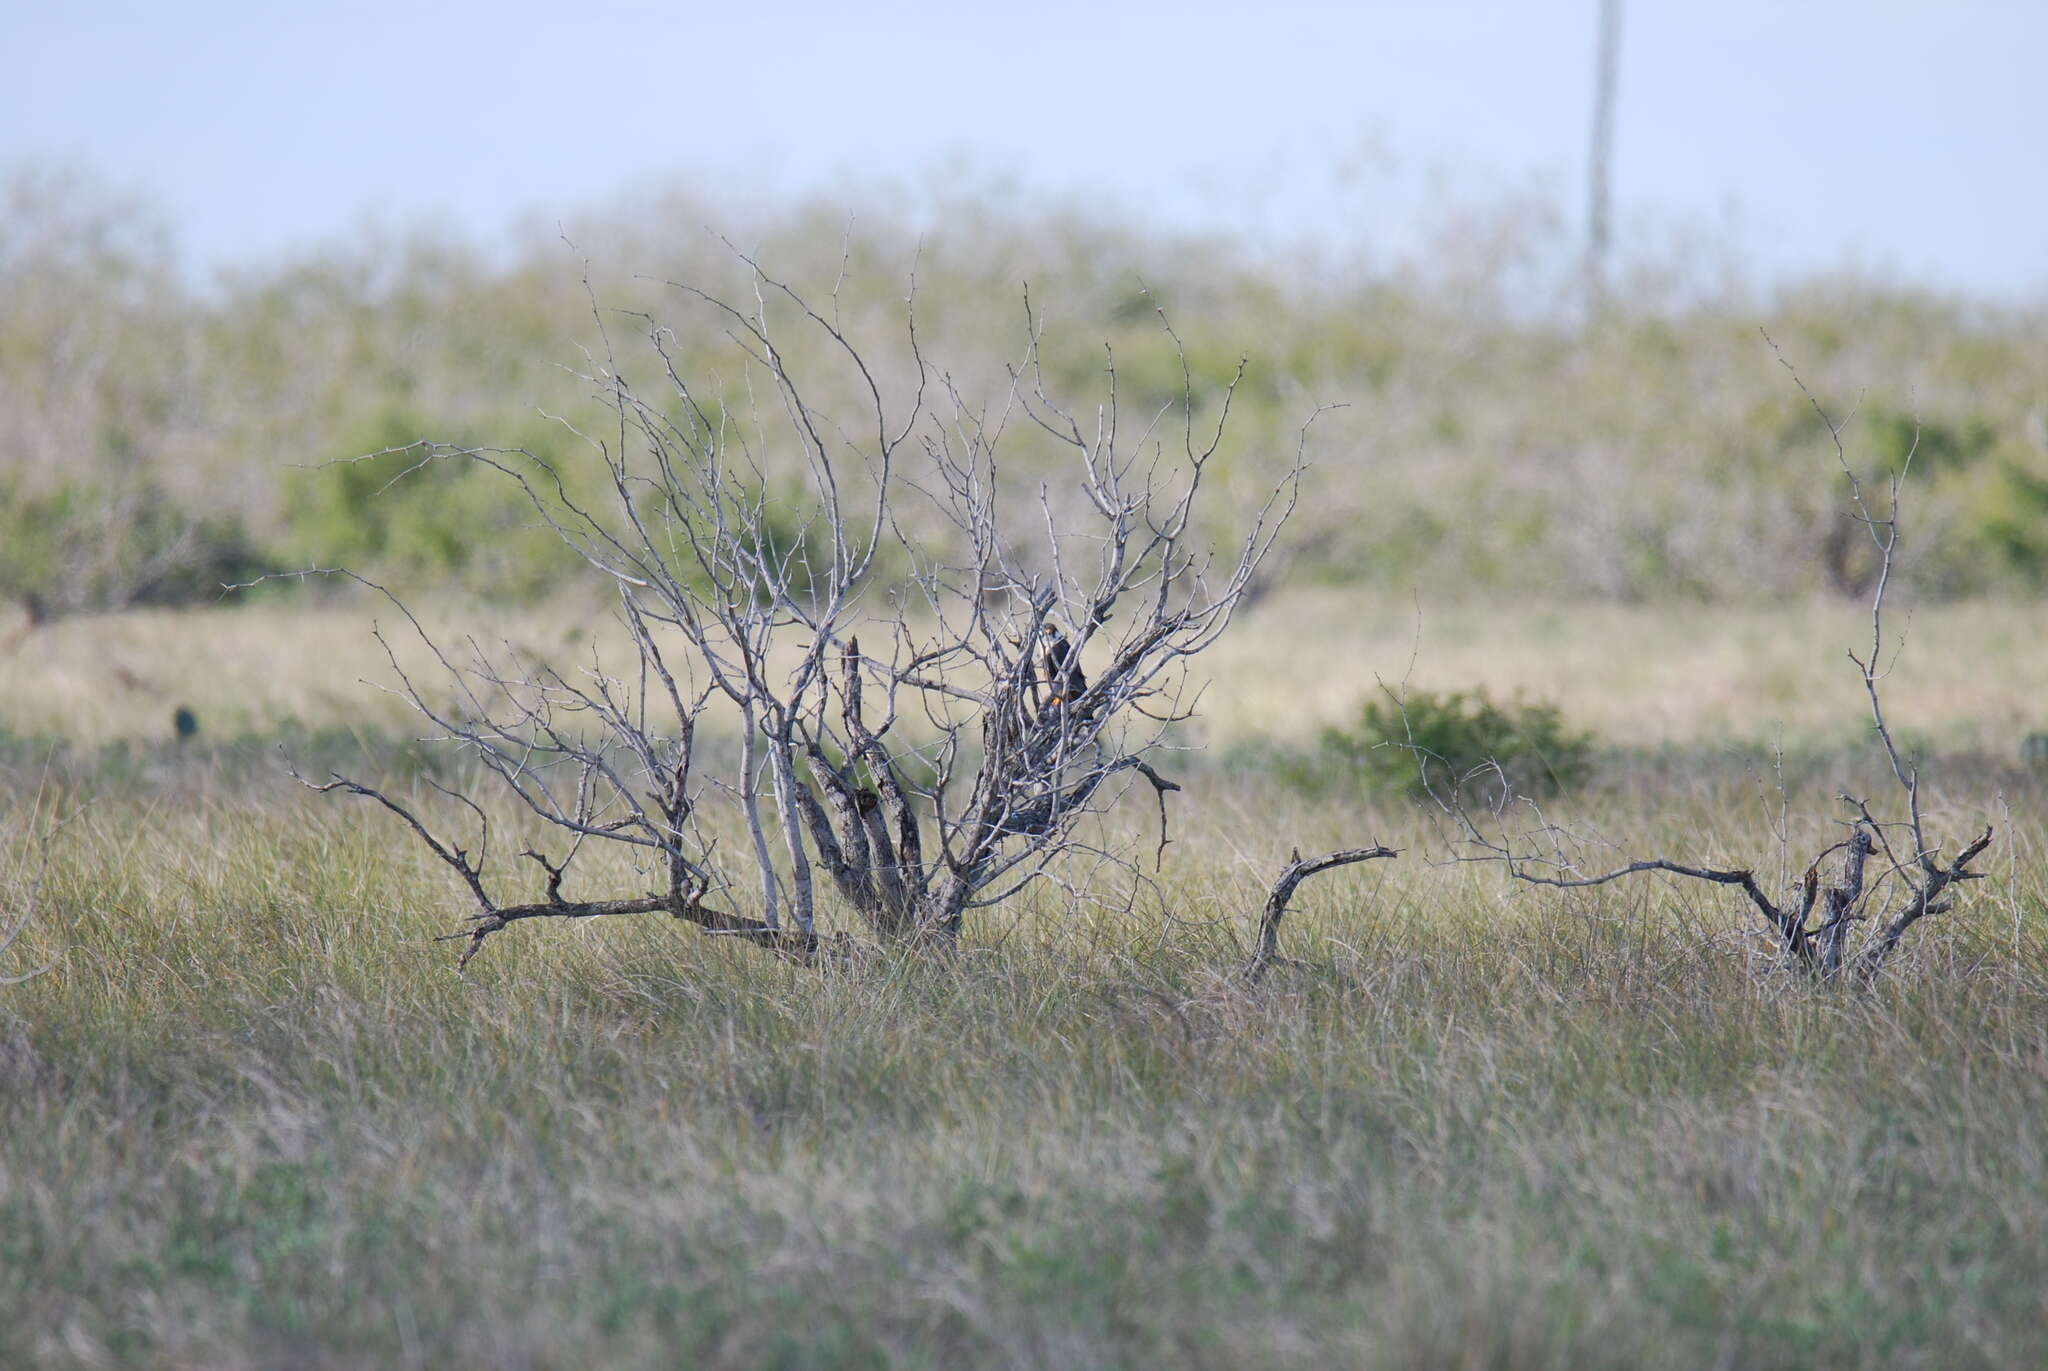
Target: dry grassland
251	1117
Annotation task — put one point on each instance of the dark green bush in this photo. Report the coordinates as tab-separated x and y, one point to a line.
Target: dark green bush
420	520
1456	740
85	546
1941	446
2014	520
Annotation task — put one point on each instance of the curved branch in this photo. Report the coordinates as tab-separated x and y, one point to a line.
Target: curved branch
1299	869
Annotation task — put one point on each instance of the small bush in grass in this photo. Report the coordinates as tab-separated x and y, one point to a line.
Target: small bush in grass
1455	739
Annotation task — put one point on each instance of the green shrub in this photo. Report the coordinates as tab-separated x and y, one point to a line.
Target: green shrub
1456	740
1931	443
419	520
2012	520
420	517
84	546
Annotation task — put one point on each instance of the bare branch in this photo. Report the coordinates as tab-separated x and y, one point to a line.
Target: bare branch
1298	869
1541	854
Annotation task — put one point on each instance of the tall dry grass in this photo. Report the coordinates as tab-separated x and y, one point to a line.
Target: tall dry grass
253	1117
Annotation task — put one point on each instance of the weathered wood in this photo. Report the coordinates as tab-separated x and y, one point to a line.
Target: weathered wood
1298	869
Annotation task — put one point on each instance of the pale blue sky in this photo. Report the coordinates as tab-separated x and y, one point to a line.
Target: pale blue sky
1906	137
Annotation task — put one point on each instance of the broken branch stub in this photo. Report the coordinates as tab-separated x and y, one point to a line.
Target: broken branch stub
1298	869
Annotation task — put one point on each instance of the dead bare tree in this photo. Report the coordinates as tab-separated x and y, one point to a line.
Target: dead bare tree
1888	872
929	690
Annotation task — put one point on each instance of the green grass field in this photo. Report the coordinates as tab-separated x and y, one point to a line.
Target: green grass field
252	1117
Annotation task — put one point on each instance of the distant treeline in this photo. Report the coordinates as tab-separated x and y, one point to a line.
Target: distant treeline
159	437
